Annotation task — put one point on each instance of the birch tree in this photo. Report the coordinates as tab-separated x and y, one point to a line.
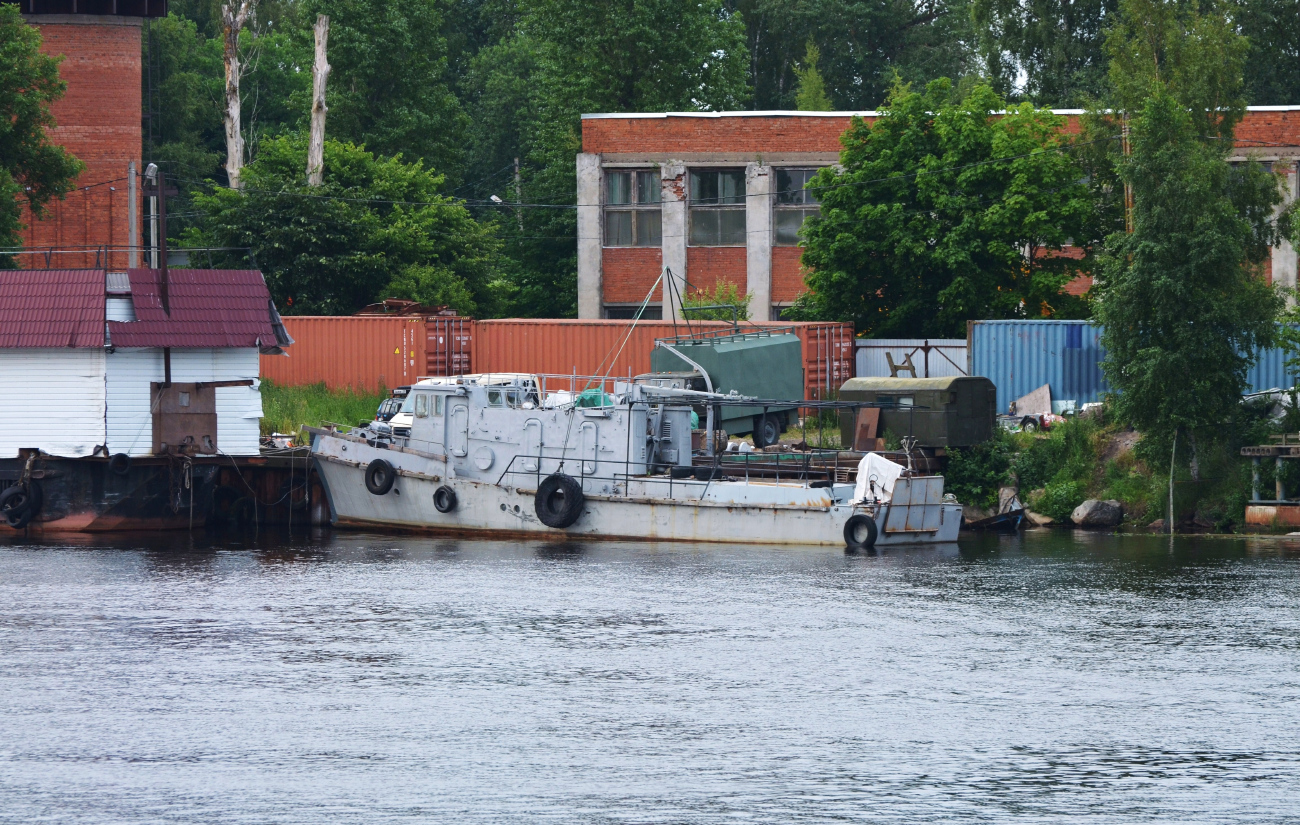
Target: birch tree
233	20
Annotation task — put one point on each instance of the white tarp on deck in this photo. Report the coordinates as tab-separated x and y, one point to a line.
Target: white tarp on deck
880	471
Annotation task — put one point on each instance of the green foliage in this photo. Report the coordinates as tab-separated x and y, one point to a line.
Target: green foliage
810	94
1060	498
1183	310
865	46
558	59
376	228
286	409
928	223
32	169
975	474
1173	49
388	88
723	294
1056	46
1272	66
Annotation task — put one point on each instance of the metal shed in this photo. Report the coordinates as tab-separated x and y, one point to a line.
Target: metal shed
953	411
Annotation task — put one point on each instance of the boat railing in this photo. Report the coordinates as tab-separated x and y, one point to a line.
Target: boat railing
805	469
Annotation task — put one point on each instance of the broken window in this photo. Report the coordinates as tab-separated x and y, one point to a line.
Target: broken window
794	204
717	207
632	208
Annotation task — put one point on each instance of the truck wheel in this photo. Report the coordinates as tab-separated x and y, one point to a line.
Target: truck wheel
767	430
380	476
559	500
860	532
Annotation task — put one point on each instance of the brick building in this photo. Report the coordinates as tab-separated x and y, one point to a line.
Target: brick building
98	120
719	196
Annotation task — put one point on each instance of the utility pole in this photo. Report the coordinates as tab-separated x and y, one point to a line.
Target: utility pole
232	23
1128	189
320	72
132	219
151	184
519	197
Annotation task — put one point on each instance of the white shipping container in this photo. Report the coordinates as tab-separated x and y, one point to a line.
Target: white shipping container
947	356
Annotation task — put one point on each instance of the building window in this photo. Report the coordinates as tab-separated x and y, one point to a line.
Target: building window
717	207
794	203
632	210
624	312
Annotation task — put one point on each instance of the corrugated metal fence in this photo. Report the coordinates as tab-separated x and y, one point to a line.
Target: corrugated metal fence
1021	356
368	351
932	357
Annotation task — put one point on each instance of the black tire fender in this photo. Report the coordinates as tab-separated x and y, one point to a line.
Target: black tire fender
559	500
860	532
20	504
119	464
380	476
444	499
244	512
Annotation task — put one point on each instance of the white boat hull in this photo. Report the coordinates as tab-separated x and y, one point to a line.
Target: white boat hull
719	511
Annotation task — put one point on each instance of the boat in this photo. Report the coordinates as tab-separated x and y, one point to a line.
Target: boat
519	455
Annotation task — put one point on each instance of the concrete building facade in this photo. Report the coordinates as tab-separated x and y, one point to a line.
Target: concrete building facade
683	201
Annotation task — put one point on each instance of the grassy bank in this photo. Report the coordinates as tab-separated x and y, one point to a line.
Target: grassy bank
286	409
1097	458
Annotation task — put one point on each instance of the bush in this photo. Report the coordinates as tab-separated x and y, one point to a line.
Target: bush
286	409
975	474
1060	498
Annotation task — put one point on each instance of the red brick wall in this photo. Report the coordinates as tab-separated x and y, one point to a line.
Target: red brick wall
787	274
98	120
706	266
628	272
684	133
759	134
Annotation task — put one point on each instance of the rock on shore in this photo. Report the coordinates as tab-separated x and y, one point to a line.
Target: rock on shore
1094	513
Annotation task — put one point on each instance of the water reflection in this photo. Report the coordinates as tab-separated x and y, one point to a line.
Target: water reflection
363	678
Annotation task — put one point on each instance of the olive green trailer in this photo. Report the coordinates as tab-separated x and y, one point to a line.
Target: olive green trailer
765	364
954	411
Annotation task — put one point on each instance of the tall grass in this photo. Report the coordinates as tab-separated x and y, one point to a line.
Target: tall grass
286	409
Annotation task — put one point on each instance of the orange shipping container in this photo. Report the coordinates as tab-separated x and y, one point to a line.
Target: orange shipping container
364	353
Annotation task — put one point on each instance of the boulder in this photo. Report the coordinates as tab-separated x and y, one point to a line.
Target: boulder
1157	526
1038	519
1094	513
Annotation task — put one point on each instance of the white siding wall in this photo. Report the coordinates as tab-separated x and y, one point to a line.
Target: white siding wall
239	409
52	399
947	359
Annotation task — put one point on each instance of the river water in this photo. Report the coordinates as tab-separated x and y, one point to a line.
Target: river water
351	678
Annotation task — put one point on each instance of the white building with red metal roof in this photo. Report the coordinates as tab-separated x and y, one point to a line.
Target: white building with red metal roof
84	353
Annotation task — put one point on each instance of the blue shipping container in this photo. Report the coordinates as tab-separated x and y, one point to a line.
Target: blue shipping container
1021	356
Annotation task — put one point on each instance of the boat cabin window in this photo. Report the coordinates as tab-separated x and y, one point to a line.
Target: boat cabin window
421	405
512	397
900	400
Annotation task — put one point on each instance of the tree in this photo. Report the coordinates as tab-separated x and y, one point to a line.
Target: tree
1182	297
865	45
32	169
375	228
1272	69
810	95
1051	52
564	58
389	88
943	212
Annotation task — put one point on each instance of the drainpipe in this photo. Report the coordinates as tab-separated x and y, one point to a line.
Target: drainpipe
708	383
